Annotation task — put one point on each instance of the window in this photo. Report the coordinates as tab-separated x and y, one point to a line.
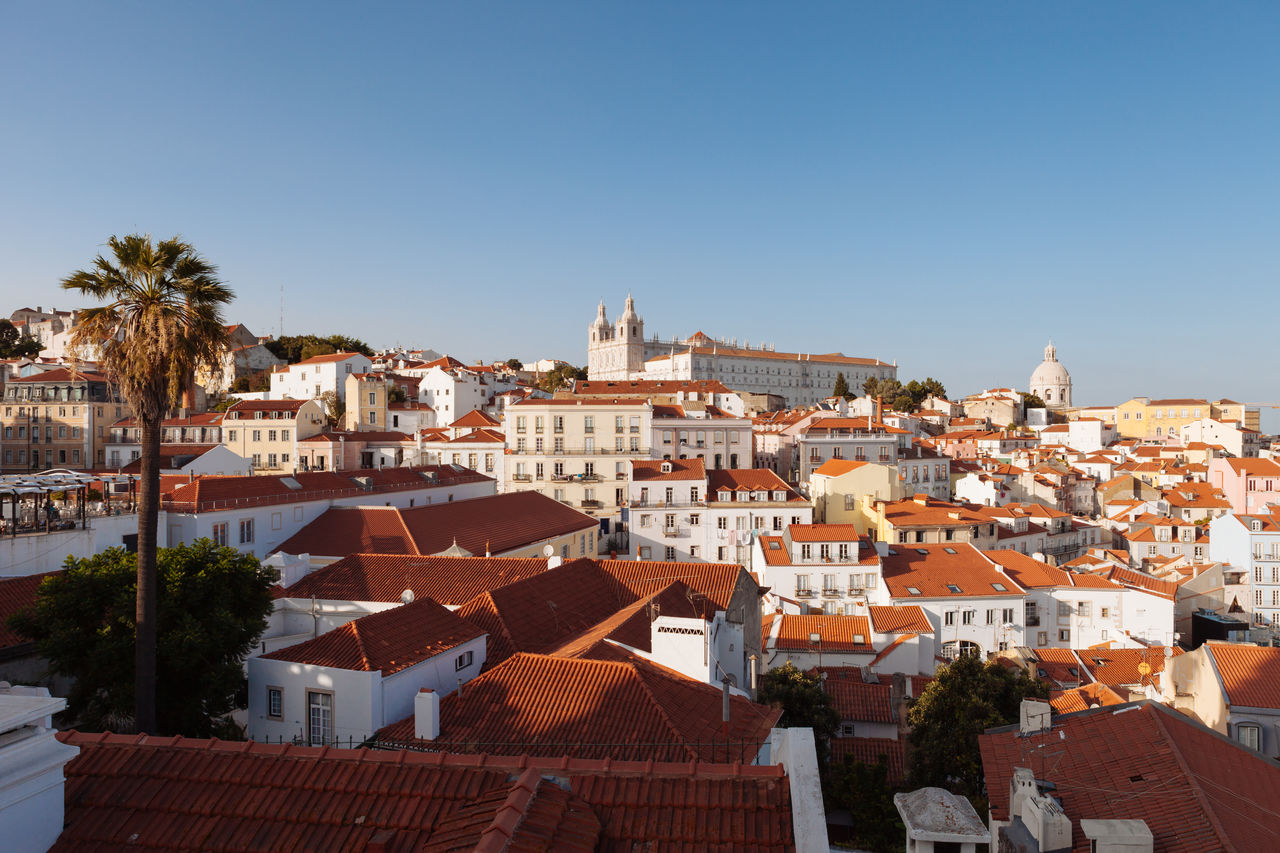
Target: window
319	717
967	617
695	520
1249	735
949	618
219	536
991	617
257	435
246	530
275	703
463	660
1084	610
1007	616
1064	609
722	523
669	553
276	520
1105	612
806	552
1064	635
589	423
829	583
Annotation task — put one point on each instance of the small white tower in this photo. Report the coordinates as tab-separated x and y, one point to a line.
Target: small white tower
1051	382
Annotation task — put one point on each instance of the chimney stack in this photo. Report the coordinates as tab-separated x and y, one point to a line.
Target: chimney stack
426	714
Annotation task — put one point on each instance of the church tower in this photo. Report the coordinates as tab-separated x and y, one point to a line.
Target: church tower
630	331
1051	382
617	351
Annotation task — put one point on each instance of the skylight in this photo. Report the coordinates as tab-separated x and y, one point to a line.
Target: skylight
999	587
922	551
953	589
913	590
949	550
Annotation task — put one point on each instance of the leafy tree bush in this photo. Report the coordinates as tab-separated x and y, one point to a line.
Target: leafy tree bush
967	697
842	387
803	702
863	790
212	607
14	344
295	348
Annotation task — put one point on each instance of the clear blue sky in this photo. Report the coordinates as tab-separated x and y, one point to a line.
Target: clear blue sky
944	184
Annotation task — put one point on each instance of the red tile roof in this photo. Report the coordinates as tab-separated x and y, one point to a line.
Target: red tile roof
17	594
647	470
328	358
1120	667
838	633
944	571
717	581
869	751
649	386
633	625
824	533
210	493
388	641
1137	580
492	524
856	700
838	467
748	480
1250	674
775	551
61	374
1083	698
383	577
542	612
1031	573
896	620
476	419
625	709
175	793
1196	790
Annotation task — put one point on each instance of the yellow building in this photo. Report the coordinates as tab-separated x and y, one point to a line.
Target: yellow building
921	520
58	419
1145	418
266	432
838	486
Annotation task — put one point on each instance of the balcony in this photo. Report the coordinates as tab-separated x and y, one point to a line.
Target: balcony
642	452
831	592
650	504
804	593
674	532
592	504
521	478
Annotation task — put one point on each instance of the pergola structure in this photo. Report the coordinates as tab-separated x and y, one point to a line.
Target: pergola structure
17	489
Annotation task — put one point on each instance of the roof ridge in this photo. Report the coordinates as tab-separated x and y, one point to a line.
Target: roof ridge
356	635
677	734
1192	778
408	534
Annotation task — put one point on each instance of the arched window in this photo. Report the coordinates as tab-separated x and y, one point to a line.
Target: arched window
1048	395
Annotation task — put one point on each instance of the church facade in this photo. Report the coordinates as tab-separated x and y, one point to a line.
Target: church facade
619	351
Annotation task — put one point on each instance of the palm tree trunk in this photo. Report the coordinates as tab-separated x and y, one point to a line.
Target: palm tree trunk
148	586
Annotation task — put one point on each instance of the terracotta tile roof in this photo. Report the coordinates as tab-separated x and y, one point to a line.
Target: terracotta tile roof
1255	466
625	709
1250	674
717	581
839	466
1137	580
492	524
869	751
202	419
737	352
1031	573
175	793
1083	698
854	699
479	436
383	577
748	480
1119	667
476	419
930	512
211	493
775	551
361	437
899	620
17	594
542	612
632	625
61	374
649	386
388	641
1196	790
248	410
838	633
944	571
647	470
581	401
824	533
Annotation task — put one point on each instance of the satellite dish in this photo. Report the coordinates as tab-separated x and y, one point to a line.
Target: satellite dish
406	597
547	550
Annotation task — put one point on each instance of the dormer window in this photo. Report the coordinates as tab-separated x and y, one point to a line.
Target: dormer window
1255	525
666	467
722	495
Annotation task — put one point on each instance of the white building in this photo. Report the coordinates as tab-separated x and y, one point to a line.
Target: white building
1229	435
1051	382
1069	610
825	567
620	351
1252	542
681	511
307	380
342	686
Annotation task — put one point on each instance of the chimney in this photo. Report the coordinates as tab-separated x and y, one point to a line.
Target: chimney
1118	836
426	714
1021	786
1034	716
554	562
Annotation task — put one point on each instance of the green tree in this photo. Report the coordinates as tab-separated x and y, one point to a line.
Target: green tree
803	702
335	408
213	605
223	405
14	344
965	698
396	394
162	322
318	348
842	387
295	348
863	790
561	377
1031	401
514	364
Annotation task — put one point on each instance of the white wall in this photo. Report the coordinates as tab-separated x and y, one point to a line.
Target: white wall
439	673
357	699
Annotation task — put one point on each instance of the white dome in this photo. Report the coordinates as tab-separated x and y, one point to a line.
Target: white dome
1051	381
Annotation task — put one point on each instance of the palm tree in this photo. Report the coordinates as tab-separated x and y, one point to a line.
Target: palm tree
161	322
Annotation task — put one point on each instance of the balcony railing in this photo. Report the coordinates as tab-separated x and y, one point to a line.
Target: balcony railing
674	532
521	478
804	593
831	592
592	504
650	504
586	451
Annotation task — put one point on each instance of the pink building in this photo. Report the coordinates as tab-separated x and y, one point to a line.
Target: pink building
1250	484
